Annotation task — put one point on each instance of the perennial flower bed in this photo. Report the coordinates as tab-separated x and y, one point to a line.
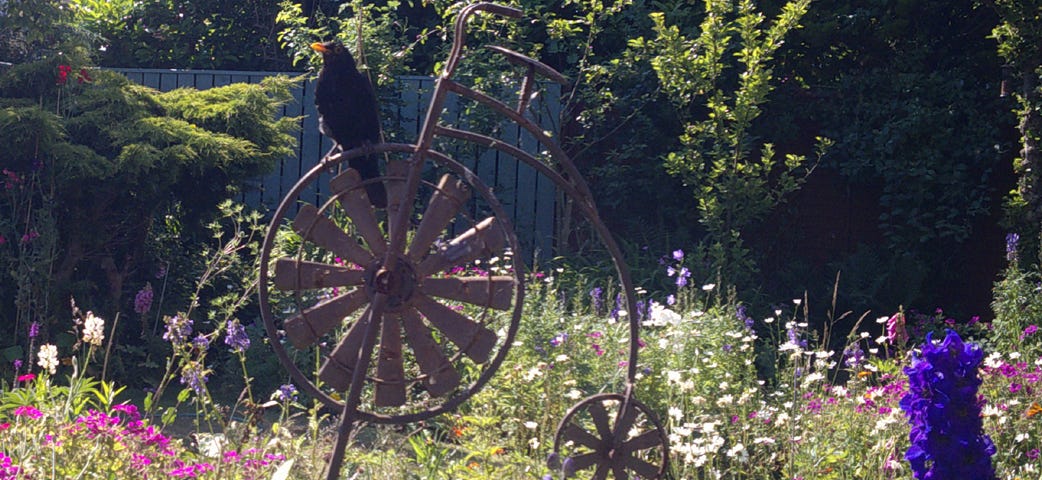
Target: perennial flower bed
741	397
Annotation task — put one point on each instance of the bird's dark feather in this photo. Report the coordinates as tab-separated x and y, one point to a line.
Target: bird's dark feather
348	113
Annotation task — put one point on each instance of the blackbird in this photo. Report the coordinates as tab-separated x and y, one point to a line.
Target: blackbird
347	112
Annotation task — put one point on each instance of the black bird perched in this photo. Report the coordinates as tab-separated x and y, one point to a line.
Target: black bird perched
347	112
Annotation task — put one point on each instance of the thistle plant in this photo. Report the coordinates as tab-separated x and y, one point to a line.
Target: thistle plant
947	439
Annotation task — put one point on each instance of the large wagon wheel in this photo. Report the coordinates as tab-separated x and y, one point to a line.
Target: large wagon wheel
611	433
449	301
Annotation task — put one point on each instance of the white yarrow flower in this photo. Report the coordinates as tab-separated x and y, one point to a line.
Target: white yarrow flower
93	329
48	358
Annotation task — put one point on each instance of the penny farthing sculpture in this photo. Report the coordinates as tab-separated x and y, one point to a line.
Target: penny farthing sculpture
408	310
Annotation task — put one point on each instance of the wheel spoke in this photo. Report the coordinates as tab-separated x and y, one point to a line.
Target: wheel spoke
625	420
442	378
445	204
485	237
339	366
473	338
586	460
644	441
308	326
601	473
353	198
323	232
580	436
293	274
390	390
493	292
643	469
600	419
620	471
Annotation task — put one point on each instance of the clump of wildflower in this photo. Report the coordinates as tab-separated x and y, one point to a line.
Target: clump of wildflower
178	329
236	337
48	358
93	330
7	467
947	439
143	299
558	339
28	411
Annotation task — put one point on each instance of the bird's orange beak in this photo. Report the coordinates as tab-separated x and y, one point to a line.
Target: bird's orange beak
318	47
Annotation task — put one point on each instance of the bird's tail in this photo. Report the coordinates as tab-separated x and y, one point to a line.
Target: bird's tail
368	168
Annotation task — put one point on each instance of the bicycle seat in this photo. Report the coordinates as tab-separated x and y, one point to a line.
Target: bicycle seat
526	61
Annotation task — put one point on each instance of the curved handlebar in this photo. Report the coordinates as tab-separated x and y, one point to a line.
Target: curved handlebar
460	34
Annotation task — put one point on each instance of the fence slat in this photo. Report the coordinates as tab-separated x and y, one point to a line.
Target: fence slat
528	197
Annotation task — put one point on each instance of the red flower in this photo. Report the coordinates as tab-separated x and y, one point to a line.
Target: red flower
83	76
27	377
63	74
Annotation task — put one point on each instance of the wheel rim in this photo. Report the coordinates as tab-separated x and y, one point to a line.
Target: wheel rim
446	324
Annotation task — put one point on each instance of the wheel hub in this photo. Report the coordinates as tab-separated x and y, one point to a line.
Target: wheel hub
397	283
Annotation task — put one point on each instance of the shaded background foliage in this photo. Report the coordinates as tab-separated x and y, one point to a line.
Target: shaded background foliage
906	204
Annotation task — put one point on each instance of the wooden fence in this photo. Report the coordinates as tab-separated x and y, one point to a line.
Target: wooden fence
528	197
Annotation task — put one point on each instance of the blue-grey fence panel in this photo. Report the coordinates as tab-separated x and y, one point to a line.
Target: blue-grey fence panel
529	198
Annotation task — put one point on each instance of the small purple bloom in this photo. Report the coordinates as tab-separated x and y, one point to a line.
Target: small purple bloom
286	393
671	299
236	337
558	339
682	277
34	329
678	255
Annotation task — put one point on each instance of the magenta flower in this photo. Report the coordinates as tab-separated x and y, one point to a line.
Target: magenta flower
28	411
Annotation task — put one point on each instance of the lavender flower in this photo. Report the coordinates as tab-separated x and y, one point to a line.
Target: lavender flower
947	438
598	301
201	343
678	255
193	375
236	337
178	329
743	317
682	275
1012	241
34	330
618	307
285	393
853	356
143	299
